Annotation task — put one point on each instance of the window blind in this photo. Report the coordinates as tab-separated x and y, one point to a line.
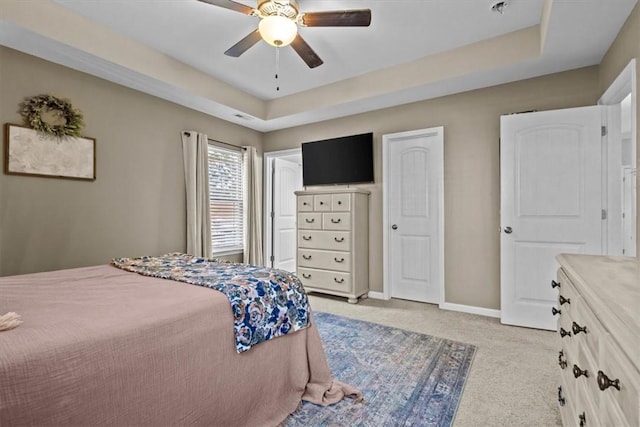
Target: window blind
225	199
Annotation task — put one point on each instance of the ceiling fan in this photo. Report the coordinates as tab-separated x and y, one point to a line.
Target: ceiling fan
279	20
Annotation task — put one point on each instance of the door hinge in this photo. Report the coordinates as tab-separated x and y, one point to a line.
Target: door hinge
272	258
603	214
603	130
272	214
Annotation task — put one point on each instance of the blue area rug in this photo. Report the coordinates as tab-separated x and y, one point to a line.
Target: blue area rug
407	378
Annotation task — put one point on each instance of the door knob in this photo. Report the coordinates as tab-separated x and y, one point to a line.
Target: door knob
508	230
394	226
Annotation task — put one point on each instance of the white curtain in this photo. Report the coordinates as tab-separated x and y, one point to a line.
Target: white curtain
253	207
196	176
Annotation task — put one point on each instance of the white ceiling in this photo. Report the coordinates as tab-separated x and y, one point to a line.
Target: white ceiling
410	39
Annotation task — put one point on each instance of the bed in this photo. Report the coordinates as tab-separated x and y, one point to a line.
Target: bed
104	346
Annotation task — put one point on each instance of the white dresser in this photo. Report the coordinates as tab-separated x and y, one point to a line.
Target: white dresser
333	241
599	328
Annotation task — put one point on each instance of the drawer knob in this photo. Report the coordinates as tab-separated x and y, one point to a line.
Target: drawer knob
561	400
555	284
305	203
338	281
335	221
307	257
564	333
604	382
564	300
555	311
322	203
338	260
339	202
577	328
562	362
310	221
306	237
577	372
583	419
306	276
339	240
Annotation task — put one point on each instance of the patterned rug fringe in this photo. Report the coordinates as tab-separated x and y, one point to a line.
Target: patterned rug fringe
9	321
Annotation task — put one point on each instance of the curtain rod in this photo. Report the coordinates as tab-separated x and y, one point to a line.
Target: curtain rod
218	142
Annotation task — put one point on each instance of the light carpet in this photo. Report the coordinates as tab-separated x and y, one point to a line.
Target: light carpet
407	378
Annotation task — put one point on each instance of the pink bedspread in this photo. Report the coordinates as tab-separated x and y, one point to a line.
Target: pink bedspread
101	346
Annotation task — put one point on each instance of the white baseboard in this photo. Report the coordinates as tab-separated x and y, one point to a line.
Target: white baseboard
378	295
489	312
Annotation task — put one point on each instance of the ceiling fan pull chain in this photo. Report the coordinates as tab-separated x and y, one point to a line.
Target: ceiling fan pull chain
277	67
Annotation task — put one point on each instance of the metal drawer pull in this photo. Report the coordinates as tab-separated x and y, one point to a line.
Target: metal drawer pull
564	333
604	382
555	284
339	202
577	372
338	281
309	221
306	237
322	203
307	257
305	203
334	221
561	400
564	300
562	362
583	419
555	311
338	260
577	328
340	240
306	276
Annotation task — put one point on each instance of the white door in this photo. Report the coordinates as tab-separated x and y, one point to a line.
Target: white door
551	201
413	200
287	178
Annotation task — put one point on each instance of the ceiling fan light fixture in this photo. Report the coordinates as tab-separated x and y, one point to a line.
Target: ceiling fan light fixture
278	30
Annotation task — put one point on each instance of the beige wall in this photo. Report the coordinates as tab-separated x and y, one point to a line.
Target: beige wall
471	123
136	206
625	47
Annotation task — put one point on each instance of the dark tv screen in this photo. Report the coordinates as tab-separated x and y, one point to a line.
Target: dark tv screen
344	160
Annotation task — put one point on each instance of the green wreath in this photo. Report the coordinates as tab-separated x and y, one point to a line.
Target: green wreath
32	109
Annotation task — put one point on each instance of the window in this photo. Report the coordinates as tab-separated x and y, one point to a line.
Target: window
225	199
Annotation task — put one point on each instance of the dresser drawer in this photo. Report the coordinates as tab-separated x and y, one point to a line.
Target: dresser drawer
567	294
616	366
305	203
336	221
587	330
332	280
322	202
341	202
327	260
610	412
586	414
310	221
328	240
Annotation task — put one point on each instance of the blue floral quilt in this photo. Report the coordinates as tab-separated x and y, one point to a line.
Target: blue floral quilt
266	302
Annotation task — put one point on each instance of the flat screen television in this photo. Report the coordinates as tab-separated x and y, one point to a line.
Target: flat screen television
344	160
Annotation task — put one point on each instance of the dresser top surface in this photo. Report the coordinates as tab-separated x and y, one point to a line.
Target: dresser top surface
331	191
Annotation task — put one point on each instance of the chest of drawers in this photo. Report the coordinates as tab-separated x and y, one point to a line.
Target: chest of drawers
599	329
333	241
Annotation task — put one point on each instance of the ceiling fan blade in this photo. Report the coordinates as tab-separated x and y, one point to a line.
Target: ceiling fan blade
243	45
228	4
337	18
306	53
